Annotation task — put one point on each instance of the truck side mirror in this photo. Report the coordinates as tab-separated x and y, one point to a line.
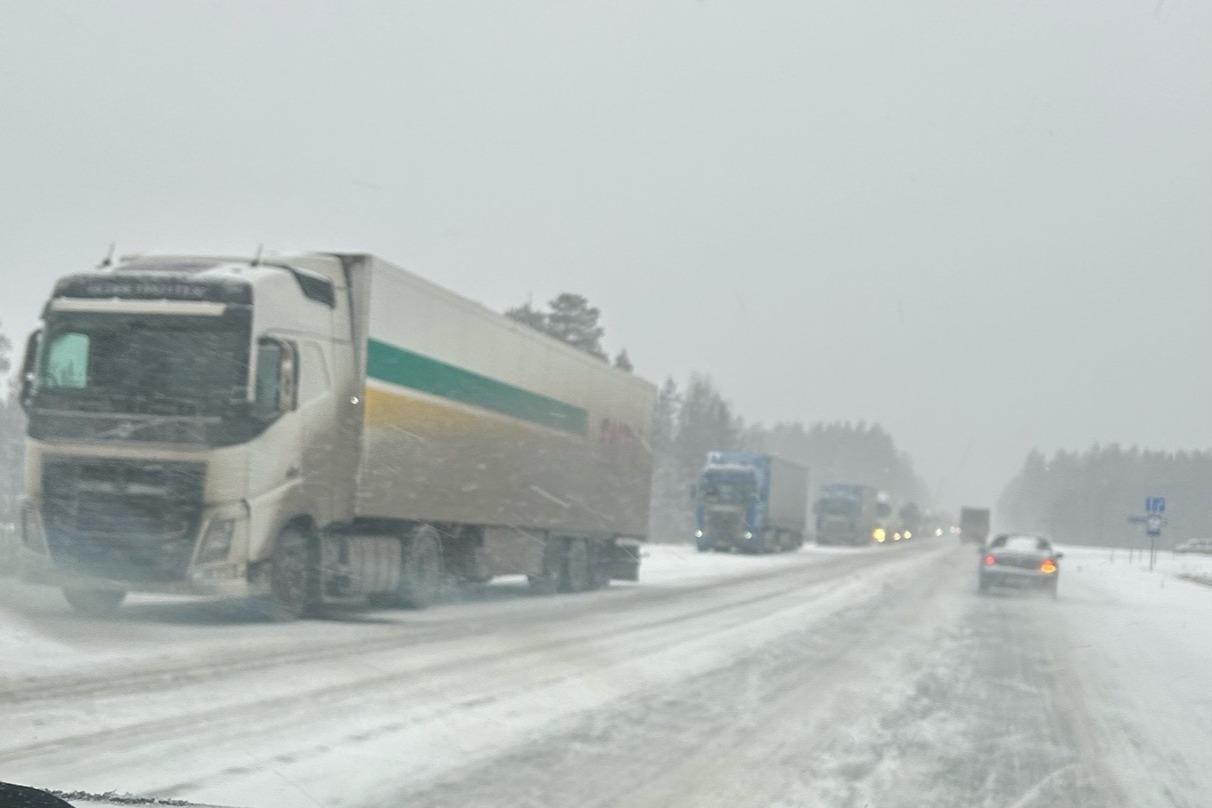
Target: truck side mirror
28	365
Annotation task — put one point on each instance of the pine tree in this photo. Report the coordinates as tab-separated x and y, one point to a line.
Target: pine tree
622	361
572	320
528	315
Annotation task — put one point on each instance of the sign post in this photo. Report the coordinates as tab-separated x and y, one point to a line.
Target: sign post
1154	508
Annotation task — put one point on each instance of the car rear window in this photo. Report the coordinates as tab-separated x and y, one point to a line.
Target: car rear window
1024	544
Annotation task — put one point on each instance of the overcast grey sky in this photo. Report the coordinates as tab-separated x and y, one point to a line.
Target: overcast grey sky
984	225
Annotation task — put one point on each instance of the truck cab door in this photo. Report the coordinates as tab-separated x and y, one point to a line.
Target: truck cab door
273	464
318	411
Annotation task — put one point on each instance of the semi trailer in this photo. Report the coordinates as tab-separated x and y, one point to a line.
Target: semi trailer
317	429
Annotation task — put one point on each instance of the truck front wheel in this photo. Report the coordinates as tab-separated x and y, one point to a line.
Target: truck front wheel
94	602
294	576
421	570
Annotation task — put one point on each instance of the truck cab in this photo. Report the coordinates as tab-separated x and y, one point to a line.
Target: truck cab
750	502
180	412
726	508
853	514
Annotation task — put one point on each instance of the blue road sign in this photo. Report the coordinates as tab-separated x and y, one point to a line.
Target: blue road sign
1153	526
1155	504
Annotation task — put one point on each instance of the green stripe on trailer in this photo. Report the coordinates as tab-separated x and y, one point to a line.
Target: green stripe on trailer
395	365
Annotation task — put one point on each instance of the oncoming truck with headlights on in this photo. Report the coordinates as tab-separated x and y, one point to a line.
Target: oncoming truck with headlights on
317	429
854	514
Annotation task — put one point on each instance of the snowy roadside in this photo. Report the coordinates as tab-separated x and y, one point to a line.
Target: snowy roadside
1130	570
1143	643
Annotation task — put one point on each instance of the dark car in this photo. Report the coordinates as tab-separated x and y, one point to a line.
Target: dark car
1022	561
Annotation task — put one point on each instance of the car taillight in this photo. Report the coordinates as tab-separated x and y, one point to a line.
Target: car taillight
990	560
1048	566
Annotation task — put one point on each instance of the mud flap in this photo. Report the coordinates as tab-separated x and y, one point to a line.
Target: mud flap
625	560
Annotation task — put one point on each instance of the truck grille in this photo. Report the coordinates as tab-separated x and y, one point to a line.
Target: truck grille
724	525
124	519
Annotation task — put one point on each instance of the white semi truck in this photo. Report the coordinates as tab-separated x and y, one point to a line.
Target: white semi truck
316	429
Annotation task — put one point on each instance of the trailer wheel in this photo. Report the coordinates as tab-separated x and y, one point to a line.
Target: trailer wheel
421	568
600	553
294	582
575	573
547	582
94	602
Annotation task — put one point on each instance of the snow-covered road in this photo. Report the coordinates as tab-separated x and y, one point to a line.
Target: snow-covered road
822	678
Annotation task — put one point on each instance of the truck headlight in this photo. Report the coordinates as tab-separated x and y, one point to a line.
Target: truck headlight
698	534
216	544
878	534
908	534
748	535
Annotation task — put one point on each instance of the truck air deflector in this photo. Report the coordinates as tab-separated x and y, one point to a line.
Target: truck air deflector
398	366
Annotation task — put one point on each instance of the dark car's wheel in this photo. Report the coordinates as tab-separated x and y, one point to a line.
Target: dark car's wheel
982	585
1054	588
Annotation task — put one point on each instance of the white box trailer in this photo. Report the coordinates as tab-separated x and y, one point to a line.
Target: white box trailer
472	417
787	503
319	428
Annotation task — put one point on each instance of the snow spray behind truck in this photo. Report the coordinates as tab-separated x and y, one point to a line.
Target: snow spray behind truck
750	502
317	429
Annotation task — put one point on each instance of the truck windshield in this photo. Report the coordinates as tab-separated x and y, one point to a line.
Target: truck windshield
838	507
169	365
727	489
